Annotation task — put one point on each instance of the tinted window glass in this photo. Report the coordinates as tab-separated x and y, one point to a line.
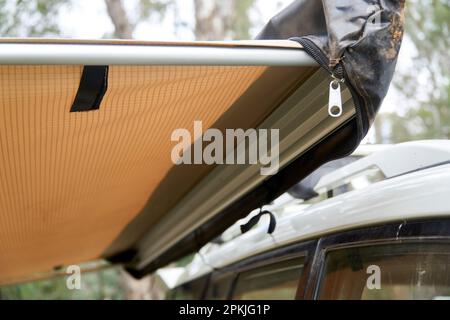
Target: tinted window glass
219	288
395	271
190	291
273	282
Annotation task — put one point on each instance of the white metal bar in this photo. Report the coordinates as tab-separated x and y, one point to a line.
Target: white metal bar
103	54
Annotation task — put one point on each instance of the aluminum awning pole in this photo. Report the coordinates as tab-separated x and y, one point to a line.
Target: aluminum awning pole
103	54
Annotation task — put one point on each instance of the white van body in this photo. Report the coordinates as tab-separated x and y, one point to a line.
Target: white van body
415	186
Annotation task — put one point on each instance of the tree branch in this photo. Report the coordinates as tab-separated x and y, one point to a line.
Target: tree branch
123	29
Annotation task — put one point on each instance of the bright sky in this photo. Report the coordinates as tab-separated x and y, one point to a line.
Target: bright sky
87	19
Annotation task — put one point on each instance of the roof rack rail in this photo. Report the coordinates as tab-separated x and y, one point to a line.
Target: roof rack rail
391	161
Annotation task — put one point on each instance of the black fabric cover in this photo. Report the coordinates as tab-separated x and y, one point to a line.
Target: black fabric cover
358	39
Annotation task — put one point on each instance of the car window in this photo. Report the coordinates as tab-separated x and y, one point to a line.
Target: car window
394	271
278	281
219	288
189	291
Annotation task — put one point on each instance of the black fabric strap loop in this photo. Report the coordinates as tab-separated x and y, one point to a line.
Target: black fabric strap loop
93	86
254	220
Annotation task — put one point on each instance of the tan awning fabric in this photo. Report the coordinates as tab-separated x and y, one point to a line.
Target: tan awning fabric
71	182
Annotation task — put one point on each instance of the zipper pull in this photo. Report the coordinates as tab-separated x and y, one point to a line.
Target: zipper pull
335	100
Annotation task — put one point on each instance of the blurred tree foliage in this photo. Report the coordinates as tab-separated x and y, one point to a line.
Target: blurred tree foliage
241	22
30	18
426	85
100	285
220	20
214	19
126	19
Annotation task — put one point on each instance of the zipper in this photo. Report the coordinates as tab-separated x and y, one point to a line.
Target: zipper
336	71
335	99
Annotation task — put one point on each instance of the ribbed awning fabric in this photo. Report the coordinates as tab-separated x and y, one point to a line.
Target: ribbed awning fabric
71	182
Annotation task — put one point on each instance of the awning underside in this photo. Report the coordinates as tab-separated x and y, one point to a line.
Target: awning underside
71	182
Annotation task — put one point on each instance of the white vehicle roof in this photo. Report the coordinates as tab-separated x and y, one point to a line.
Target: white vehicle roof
393	161
418	194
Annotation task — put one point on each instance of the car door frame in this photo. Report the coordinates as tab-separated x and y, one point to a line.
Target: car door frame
293	251
427	230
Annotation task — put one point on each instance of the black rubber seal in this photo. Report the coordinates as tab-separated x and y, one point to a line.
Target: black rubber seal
93	86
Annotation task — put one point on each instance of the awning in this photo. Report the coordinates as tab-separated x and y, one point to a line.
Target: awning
85	132
71	182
